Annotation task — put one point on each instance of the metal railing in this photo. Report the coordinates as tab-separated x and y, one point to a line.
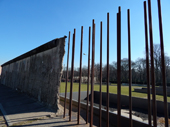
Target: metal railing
154	106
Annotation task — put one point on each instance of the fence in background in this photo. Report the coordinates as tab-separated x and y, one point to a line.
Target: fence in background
152	82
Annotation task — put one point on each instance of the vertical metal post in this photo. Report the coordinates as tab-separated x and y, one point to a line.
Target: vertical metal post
79	96
87	109
107	69
130	72
163	64
147	64
66	76
72	74
152	66
92	73
119	67
71	78
100	106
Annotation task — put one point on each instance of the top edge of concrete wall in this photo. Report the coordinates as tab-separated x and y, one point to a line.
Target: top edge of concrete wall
49	45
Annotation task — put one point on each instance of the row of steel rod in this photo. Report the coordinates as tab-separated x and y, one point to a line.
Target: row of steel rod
119	70
163	64
152	65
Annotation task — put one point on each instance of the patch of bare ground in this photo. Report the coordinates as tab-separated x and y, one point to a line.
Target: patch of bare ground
2	120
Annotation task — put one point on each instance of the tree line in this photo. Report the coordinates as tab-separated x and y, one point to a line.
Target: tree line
138	68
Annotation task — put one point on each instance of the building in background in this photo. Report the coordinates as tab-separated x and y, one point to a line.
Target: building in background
84	79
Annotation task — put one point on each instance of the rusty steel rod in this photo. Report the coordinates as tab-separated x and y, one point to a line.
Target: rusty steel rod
130	72
87	109
147	64
152	66
163	64
72	73
80	74
71	79
119	67
92	73
107	70
100	105
66	76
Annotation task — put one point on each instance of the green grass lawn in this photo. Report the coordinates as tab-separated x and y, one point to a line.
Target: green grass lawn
112	89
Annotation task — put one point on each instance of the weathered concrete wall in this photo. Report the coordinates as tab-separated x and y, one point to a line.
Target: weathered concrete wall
38	72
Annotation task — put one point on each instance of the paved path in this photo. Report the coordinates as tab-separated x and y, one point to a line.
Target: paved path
19	109
83	95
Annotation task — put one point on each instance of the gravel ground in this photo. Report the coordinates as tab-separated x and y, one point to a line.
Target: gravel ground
2	120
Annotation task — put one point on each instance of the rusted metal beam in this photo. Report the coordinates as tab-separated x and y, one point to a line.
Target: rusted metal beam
107	70
66	76
72	74
87	109
119	68
92	73
130	72
147	64
100	105
80	74
152	66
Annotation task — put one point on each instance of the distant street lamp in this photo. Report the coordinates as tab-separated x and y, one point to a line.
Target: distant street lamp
85	54
90	66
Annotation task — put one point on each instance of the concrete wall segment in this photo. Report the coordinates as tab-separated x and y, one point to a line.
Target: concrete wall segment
37	74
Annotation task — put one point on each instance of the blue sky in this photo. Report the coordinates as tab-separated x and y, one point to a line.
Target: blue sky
27	24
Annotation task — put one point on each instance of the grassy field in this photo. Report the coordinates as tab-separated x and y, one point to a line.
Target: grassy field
112	89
